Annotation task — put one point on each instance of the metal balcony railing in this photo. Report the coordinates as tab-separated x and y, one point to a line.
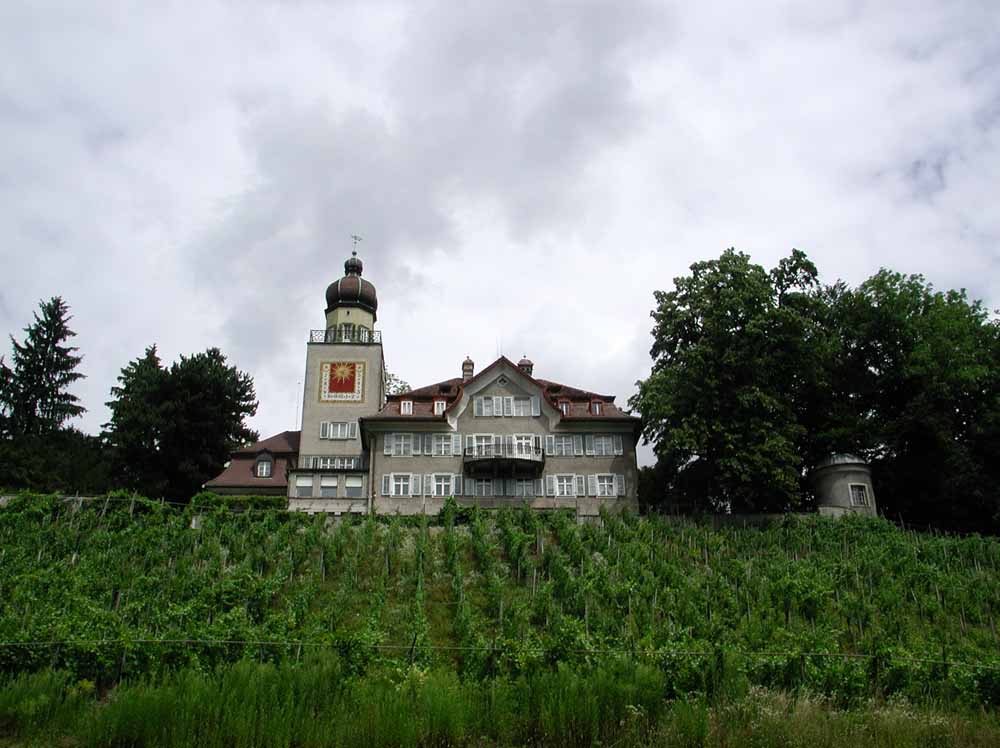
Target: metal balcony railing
346	335
333	462
500	450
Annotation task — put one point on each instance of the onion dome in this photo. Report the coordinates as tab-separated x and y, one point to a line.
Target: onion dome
352	289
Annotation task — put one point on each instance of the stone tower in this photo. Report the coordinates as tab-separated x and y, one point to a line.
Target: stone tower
344	381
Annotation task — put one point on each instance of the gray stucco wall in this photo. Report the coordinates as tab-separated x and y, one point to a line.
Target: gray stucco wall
833	493
315	411
468	423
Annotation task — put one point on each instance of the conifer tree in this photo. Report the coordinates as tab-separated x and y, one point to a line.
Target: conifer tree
35	390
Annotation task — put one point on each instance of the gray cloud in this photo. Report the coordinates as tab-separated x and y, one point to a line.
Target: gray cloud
524	174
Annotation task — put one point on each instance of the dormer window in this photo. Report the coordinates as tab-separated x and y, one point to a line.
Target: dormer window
595	408
439	407
564	407
263	468
406	407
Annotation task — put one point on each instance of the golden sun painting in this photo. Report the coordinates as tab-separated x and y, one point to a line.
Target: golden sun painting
341	380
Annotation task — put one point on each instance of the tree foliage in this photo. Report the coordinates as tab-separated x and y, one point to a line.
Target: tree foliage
34	392
758	375
734	358
171	429
394	385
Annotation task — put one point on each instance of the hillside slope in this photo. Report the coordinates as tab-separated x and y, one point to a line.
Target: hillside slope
845	607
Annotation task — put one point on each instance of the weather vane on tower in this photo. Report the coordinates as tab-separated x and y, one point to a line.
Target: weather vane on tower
355	239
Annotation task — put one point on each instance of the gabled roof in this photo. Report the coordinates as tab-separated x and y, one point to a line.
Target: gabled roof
287	442
451	391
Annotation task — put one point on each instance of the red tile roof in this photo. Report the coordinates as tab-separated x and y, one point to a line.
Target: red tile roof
451	390
239	473
287	442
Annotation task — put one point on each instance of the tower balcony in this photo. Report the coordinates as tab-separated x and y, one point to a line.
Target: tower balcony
346	334
503	460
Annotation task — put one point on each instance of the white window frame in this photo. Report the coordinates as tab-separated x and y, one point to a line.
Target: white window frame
604	445
487	404
402	444
522	407
595	407
864	492
565	485
443	484
441	445
606	485
301	482
524	445
400	484
263	463
326	482
406	407
360	487
562	445
483	487
439	406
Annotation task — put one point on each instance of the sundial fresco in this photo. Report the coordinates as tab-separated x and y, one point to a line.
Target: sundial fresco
342	381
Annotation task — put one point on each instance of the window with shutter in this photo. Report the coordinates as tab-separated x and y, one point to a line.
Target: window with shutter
590	444
415	441
508	406
578	444
406	407
487	407
522	406
428	450
470	444
620	484
386	484
536	406
606	485
539	487
352	432
387	444
439	407
581	486
565	485
414	484
456	444
550	444
477	406
428	485
456	485
550	485
497	405
324	430
618	444
591	485
470	487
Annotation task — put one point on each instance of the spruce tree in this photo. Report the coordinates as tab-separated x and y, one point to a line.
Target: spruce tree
36	389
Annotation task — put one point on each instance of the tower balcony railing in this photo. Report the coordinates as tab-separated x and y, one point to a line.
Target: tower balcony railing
346	335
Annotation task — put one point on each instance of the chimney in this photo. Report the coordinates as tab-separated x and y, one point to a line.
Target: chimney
525	365
468	368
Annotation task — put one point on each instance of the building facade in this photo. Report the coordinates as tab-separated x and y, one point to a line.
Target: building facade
500	437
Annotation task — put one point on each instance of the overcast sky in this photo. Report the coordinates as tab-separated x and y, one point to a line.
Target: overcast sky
524	174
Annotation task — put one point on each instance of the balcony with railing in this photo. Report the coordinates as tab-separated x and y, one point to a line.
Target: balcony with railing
353	463
346	334
504	459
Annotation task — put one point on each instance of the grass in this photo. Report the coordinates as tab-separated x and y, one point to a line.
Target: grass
317	704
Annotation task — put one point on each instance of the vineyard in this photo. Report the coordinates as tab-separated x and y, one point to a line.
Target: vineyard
125	595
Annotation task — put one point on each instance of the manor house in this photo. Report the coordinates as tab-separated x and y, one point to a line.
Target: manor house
498	437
